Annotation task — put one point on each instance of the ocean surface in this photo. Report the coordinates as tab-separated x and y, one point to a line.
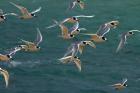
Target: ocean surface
41	72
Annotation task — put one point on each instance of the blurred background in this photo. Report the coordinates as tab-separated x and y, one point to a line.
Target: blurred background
41	72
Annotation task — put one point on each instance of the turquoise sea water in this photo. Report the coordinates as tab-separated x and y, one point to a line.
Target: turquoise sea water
41	72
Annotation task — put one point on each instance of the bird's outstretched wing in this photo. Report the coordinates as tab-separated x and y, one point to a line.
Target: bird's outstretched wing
39	37
84	16
72	4
80	48
103	29
14	14
23	10
122	42
11	52
90	43
65	59
124	81
82	5
75	27
27	42
72	50
37	10
78	63
5	75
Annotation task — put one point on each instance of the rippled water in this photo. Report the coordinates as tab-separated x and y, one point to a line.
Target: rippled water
42	73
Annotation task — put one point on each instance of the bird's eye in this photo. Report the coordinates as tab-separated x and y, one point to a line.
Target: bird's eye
38	47
74	18
77	30
125	85
20	46
32	14
8	56
71	35
84	42
76	57
104	38
130	32
112	23
78	1
3	17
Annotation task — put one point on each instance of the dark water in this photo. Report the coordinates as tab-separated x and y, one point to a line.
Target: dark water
41	72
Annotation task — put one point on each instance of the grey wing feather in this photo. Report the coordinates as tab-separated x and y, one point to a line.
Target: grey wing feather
124	81
51	26
14	14
84	16
37	10
122	42
71	50
26	42
39	37
75	27
18	6
72	5
65	20
12	51
58	23
75	51
103	30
